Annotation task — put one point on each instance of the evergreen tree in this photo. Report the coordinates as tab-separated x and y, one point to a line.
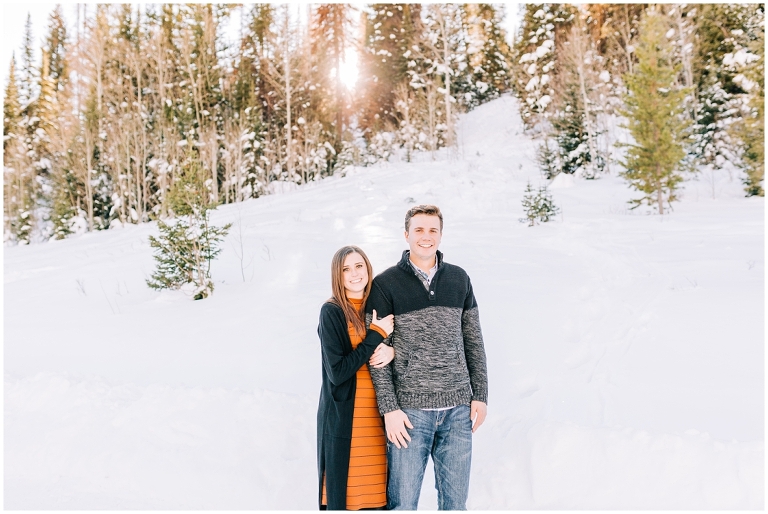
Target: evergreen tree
579	89
16	191
538	206
749	61
11	107
489	55
330	32
444	55
392	35
185	247
548	159
716	110
535	59
655	115
28	75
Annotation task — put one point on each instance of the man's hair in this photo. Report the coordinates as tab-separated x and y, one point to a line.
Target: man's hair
430	210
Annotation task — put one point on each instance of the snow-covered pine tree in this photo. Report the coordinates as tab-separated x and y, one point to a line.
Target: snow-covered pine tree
16	190
489	55
391	33
579	89
63	192
749	62
534	59
724	32
712	142
655	116
96	177
186	246
615	31
255	78
445	53
28	74
410	136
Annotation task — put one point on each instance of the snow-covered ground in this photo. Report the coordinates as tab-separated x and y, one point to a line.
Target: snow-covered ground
625	350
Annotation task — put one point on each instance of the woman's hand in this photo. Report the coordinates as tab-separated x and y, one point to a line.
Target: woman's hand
382	356
387	323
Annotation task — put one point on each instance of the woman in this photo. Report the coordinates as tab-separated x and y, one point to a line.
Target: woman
348	416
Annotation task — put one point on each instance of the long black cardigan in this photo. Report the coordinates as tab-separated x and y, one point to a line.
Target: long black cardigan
337	401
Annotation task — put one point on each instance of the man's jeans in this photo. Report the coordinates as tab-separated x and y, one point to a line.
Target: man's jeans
447	436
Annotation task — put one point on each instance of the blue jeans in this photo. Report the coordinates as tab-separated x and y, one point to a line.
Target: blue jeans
447	436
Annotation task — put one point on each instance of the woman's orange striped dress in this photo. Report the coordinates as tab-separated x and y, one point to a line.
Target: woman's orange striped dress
367	481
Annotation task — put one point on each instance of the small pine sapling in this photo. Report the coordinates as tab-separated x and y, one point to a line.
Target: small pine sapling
538	206
185	248
548	160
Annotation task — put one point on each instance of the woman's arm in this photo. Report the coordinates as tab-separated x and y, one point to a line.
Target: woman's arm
332	331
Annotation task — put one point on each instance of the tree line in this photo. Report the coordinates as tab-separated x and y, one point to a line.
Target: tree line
687	79
98	133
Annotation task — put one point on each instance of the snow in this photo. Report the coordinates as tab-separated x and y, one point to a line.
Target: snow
625	350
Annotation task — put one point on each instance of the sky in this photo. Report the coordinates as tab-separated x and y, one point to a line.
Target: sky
15	16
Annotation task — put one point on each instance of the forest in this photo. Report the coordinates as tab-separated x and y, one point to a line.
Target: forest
103	118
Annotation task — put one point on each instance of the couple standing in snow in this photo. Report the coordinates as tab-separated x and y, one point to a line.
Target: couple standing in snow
407	346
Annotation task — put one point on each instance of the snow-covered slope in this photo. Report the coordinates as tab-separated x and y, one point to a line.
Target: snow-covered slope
625	351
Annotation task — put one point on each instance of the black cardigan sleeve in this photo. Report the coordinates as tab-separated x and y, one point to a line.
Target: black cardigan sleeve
333	332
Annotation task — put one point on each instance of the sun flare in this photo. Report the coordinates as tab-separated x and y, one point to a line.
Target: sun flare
349	68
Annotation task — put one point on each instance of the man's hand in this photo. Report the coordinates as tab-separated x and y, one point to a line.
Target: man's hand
395	423
477	412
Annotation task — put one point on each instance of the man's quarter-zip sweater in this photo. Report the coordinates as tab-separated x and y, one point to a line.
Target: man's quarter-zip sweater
439	353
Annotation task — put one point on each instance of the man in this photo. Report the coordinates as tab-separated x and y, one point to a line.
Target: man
433	396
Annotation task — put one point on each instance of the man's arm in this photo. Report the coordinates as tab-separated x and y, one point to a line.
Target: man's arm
474	352
382	377
395	420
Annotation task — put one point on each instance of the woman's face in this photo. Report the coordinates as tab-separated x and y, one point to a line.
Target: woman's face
355	275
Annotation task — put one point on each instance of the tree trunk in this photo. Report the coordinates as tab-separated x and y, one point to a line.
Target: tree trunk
287	73
579	43
446	62
659	193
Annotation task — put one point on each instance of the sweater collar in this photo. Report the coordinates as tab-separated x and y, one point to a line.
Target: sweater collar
405	263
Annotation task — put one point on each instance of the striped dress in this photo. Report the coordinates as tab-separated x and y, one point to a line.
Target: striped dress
367	480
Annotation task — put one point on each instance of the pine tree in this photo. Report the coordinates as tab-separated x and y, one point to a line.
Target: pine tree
393	32
749	60
538	205
725	34
11	107
578	93
548	159
57	131
489	55
654	110
441	67
28	73
330	29
535	59
186	246
16	190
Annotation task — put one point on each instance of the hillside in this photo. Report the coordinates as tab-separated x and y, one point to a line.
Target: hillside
625	350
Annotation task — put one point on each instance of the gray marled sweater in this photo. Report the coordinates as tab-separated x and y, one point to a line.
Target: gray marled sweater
439	353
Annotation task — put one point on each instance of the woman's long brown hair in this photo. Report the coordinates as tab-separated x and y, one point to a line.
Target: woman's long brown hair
340	294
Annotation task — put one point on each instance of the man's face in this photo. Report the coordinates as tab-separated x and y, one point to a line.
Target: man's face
423	236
